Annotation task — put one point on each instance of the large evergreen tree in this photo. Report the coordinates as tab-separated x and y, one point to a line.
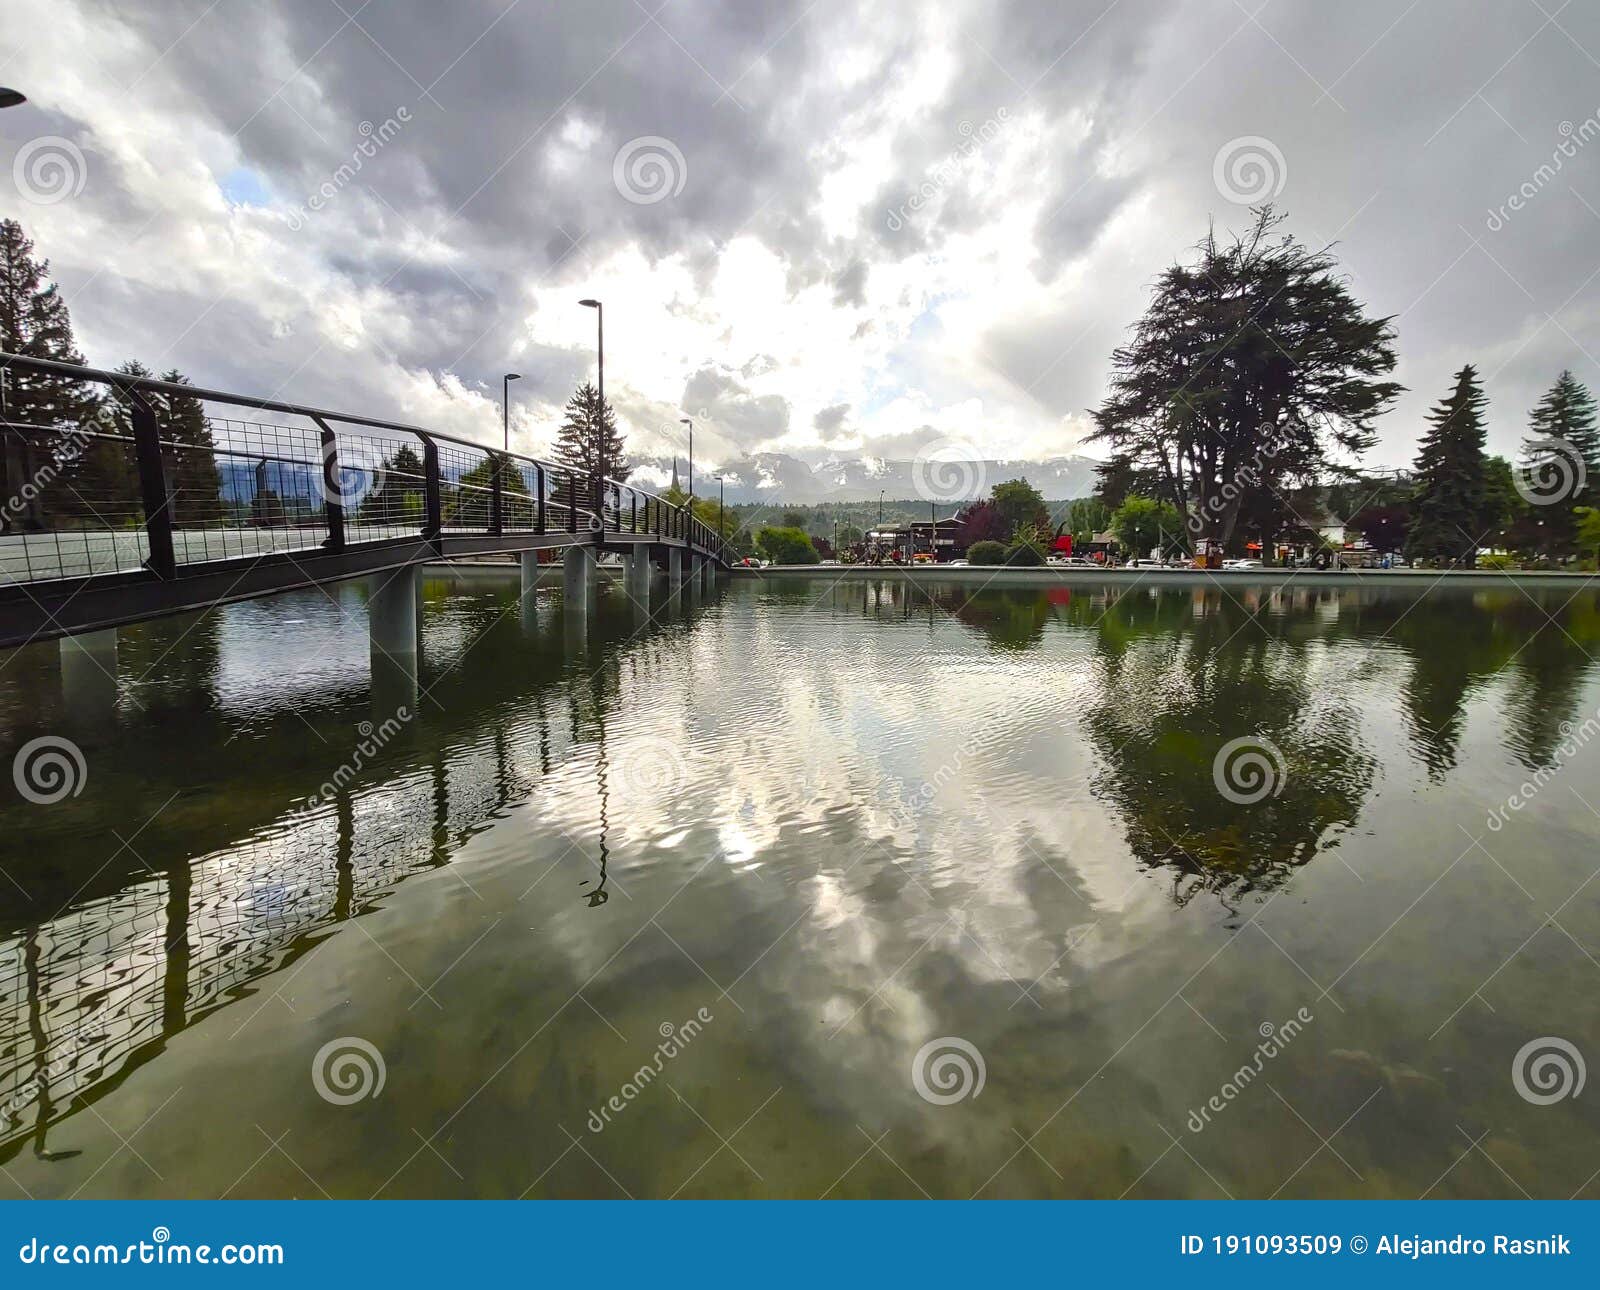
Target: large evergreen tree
577	442
1454	509
35	323
1560	465
192	475
1247	371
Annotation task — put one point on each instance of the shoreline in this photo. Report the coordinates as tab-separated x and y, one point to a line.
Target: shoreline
1001	575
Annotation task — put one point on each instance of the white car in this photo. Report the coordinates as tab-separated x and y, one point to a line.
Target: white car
958	564
1242	564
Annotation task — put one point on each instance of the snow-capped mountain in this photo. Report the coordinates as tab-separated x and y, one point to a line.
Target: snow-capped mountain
776	476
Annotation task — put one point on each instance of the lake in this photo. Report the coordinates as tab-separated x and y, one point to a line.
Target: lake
815	890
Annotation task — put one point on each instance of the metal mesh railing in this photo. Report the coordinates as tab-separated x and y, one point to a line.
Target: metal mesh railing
144	476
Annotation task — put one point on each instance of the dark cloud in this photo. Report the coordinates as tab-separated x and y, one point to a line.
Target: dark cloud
871	151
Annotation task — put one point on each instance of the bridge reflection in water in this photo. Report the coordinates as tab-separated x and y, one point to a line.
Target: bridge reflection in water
132	958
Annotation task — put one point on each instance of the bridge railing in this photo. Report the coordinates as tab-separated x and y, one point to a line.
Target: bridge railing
111	472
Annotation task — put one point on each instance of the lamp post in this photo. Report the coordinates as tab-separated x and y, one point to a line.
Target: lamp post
600	430
685	421
505	403
721	531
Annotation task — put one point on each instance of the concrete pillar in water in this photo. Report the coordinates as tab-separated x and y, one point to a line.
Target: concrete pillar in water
637	579
392	618
527	607
674	572
89	675
394	632
577	580
708	575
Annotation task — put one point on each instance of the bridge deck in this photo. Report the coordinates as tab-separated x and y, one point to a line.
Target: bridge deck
149	505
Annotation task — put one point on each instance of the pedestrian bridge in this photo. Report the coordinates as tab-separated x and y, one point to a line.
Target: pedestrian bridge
173	499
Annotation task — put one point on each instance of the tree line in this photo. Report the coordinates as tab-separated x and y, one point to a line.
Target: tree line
1254	381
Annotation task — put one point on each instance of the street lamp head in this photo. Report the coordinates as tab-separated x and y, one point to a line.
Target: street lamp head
684	421
590	304
11	98
513	376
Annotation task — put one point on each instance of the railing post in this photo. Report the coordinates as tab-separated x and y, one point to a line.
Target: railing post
572	503
332	485
432	508
633	522
153	490
538	478
496	495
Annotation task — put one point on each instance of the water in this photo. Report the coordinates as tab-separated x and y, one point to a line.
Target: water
812	828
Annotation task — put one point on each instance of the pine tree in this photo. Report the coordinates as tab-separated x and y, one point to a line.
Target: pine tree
577	441
192	474
1453	504
1561	476
35	323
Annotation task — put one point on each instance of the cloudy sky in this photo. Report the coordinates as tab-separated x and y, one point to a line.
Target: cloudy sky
828	229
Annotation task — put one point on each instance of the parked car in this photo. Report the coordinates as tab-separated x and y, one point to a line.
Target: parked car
958	564
1242	564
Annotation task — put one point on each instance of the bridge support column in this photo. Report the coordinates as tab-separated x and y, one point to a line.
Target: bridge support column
395	635
708	575
674	573
637	579
577	580
527	600
392	616
694	576
89	675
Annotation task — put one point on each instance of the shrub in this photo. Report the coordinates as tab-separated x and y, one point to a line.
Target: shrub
986	553
1497	561
1024	555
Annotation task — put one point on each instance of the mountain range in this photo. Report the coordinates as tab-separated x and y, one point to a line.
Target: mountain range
779	477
